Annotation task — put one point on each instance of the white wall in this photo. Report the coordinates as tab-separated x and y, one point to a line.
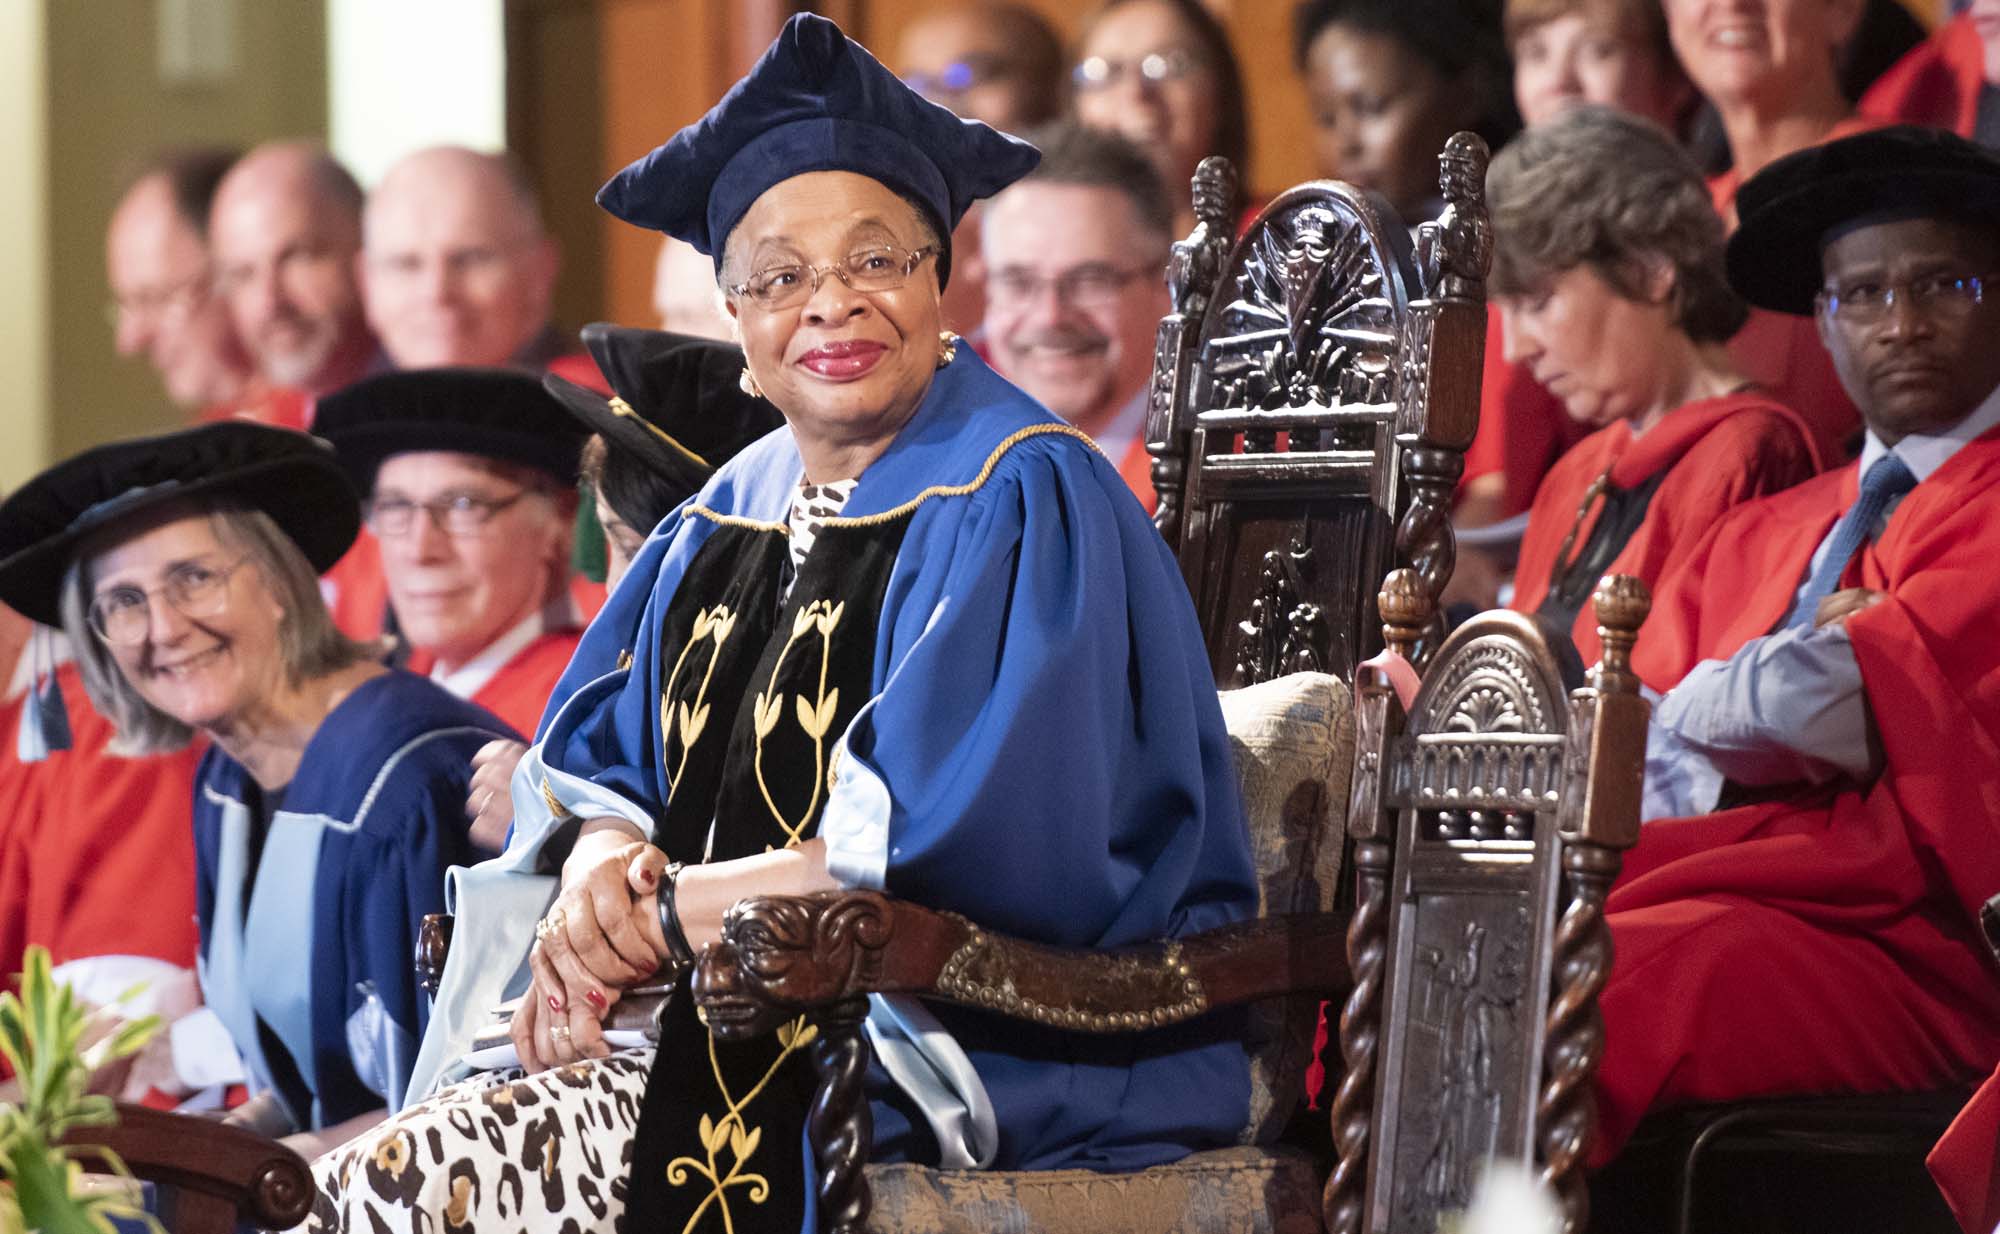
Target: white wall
24	242
404	74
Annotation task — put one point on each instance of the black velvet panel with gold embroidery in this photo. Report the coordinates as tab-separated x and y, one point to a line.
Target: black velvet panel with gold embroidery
756	696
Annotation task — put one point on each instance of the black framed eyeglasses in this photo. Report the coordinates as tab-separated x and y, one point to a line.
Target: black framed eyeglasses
883	267
123	616
461	514
1865	303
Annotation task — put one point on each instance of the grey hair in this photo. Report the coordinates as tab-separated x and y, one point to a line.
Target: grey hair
308	642
1075	154
1555	207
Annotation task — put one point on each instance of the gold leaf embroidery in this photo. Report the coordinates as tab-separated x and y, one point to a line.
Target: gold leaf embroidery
715	624
765	713
732	1133
814	715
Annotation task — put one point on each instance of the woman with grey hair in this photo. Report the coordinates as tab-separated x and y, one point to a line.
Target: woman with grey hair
1611	291
184	570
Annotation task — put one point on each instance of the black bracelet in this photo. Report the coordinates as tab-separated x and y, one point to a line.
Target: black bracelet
679	954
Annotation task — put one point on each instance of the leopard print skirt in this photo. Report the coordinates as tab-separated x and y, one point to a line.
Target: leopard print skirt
499	1152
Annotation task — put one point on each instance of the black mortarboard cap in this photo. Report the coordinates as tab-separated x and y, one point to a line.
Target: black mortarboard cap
679	404
1788	211
502	414
815	101
291	477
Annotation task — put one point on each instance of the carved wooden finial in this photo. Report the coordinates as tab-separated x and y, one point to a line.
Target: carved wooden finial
1215	194
1462	168
1622	603
1406	607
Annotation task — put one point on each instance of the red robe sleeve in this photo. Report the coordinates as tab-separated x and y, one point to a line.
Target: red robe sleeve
1739	579
1936	84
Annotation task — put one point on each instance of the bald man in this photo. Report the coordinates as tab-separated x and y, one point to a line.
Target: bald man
457	268
285	228
156	260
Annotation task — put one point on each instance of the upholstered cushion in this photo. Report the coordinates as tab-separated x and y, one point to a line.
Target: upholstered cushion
1227	1191
1293	739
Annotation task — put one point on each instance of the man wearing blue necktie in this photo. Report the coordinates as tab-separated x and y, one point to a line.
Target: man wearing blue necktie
1832	673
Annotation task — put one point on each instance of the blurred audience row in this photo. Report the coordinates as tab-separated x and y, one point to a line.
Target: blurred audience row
269	286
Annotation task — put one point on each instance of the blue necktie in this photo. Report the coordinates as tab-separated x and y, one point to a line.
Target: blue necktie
1886	480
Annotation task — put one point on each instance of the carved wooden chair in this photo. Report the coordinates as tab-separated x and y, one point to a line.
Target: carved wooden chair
1490	820
210	1178
1314	391
1313	395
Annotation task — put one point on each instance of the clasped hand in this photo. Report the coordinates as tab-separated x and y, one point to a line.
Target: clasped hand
599	938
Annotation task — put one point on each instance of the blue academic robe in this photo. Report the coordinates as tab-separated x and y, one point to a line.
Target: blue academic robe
309	960
1042	751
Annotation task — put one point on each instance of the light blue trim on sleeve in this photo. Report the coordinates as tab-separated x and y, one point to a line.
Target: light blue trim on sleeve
495	908
926	1062
855	822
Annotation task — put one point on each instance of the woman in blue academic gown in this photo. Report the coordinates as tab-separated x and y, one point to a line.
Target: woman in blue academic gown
184	571
924	639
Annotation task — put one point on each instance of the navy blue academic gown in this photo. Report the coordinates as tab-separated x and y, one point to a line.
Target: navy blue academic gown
308	957
1036	741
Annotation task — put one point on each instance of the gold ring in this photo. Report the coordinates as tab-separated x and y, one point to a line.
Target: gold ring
560	1032
549	925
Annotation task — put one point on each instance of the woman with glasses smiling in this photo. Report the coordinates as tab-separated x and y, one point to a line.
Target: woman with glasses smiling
1161	74
922	638
184	570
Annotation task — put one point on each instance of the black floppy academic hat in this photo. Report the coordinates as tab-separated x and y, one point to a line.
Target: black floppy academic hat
500	414
679	406
1789	210
815	101
291	477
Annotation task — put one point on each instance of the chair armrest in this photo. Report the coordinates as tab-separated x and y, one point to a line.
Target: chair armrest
221	1174
783	955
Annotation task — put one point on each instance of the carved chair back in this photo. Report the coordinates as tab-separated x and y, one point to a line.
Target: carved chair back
1314	391
1489	821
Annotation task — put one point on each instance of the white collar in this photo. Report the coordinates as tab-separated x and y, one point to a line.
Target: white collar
1924	453
472	676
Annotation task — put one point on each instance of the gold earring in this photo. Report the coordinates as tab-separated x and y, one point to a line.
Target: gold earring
947	347
748	384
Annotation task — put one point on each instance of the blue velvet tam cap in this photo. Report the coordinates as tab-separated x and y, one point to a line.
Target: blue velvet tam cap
815	101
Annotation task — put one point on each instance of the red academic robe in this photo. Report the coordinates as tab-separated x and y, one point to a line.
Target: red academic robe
1826	941
96	851
1717	453
518	692
1523	429
1965	1163
1936	84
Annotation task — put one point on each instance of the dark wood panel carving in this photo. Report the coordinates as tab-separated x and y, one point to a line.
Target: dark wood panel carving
1492	816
